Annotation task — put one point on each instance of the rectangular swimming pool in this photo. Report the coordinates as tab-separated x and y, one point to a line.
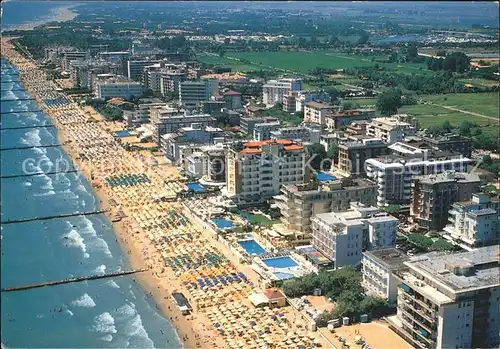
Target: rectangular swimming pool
280	262
324	177
222	223
123	133
196	187
284	276
252	247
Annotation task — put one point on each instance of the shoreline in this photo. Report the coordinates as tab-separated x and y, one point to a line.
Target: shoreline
193	330
59	14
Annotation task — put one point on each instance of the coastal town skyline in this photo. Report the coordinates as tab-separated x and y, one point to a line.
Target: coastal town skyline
250	174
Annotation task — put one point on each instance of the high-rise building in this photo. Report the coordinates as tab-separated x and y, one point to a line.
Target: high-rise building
342	236
256	171
353	154
299	202
475	222
394	173
450	300
432	196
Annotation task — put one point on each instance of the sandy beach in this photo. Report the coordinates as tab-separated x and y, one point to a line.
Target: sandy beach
158	232
60	14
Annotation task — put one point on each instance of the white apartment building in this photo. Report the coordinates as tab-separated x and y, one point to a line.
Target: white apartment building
379	272
342	236
450	300
207	163
299	202
121	89
298	133
390	129
475	222
256	172
274	90
394	174
317	112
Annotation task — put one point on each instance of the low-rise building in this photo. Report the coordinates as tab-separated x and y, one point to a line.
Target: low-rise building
262	131
336	120
450	300
390	129
380	268
294	101
475	222
317	112
451	143
257	170
299	202
121	89
432	196
342	236
248	123
304	134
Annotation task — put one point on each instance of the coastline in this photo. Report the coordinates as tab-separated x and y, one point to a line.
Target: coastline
59	14
193	330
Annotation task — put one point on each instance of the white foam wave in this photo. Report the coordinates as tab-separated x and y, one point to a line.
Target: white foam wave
32	138
104	323
96	242
127	310
135	328
74	239
49	193
100	269
40	151
84	301
112	284
107	338
49	185
26	184
71	194
70	312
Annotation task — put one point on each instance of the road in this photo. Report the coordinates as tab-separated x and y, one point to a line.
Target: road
467	112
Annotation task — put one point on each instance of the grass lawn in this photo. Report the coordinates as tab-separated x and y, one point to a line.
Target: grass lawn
362	102
258	219
233	64
483	103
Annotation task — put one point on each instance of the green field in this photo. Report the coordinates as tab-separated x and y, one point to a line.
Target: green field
482	103
304	62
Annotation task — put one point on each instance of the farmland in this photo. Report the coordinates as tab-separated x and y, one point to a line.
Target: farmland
305	61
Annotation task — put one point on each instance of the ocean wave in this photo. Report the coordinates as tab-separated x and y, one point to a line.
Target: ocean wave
32	137
40	151
135	328
107	338
71	195
104	323
84	301
26	184
76	240
127	310
112	284
49	184
96	243
49	193
100	269
69	312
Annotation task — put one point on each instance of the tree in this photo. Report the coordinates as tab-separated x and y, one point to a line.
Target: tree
389	101
318	152
333	93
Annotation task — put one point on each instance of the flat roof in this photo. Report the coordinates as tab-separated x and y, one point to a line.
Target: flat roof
437	265
390	258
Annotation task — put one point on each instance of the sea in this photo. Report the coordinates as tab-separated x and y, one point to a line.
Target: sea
103	313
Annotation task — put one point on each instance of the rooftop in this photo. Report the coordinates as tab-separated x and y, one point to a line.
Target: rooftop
461	271
448	176
319	105
390	258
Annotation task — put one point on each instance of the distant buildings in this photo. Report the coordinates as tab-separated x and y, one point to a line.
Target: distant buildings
390	129
450	300
342	236
299	202
257	171
380	268
274	90
304	134
475	222
433	195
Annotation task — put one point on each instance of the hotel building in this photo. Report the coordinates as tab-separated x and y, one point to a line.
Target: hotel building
274	90
257	170
299	202
450	300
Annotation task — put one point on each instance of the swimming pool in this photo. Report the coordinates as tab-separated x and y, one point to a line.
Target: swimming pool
252	247
280	262
284	276
196	187
323	177
123	133
222	223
